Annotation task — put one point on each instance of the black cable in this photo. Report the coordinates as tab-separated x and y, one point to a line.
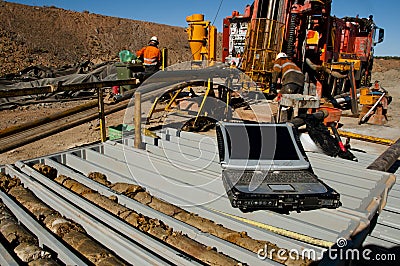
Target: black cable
216	15
198	50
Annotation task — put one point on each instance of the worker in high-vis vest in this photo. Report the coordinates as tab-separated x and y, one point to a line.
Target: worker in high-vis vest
151	56
292	79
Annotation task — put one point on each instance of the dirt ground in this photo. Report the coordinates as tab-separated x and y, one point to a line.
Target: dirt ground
387	72
86	36
74	137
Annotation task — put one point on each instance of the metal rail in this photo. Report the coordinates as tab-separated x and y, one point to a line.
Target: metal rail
109	230
44	236
359	202
118	171
60	88
192	232
6	258
47	129
126	241
361	191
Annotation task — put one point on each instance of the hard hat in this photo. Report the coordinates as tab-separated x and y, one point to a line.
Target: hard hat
154	39
281	55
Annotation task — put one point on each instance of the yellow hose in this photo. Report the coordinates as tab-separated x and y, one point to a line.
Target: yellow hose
282	232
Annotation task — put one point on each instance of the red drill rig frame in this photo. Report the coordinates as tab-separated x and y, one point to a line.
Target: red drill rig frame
335	54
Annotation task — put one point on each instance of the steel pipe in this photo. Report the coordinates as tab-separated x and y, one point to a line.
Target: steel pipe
55	126
11	130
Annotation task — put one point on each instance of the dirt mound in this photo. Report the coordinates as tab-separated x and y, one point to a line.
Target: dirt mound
50	36
383	65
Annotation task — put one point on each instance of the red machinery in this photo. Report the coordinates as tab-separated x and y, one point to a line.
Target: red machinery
334	53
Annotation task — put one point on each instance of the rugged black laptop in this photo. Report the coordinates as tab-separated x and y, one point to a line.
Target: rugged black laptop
264	167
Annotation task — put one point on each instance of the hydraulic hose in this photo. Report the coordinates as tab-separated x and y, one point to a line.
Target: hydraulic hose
327	70
292	33
300	120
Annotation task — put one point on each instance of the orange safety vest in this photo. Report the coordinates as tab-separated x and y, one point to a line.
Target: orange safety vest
151	55
291	73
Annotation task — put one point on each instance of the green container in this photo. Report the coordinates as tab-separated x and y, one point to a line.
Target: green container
116	132
124	72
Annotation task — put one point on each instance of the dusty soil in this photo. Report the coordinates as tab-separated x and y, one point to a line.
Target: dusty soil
74	137
99	38
388	73
50	36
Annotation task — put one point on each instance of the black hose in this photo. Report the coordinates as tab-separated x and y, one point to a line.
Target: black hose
334	74
300	120
292	35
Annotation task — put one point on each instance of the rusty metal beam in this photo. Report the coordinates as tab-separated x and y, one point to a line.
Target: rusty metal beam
387	158
61	88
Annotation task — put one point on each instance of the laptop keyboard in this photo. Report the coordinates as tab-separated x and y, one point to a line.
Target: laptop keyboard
272	177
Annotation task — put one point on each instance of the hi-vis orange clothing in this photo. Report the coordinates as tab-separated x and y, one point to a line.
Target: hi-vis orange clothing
151	55
288	71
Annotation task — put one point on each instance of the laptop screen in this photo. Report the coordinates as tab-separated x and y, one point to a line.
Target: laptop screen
255	142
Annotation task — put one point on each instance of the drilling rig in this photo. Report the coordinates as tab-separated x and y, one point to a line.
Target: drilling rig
335	54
